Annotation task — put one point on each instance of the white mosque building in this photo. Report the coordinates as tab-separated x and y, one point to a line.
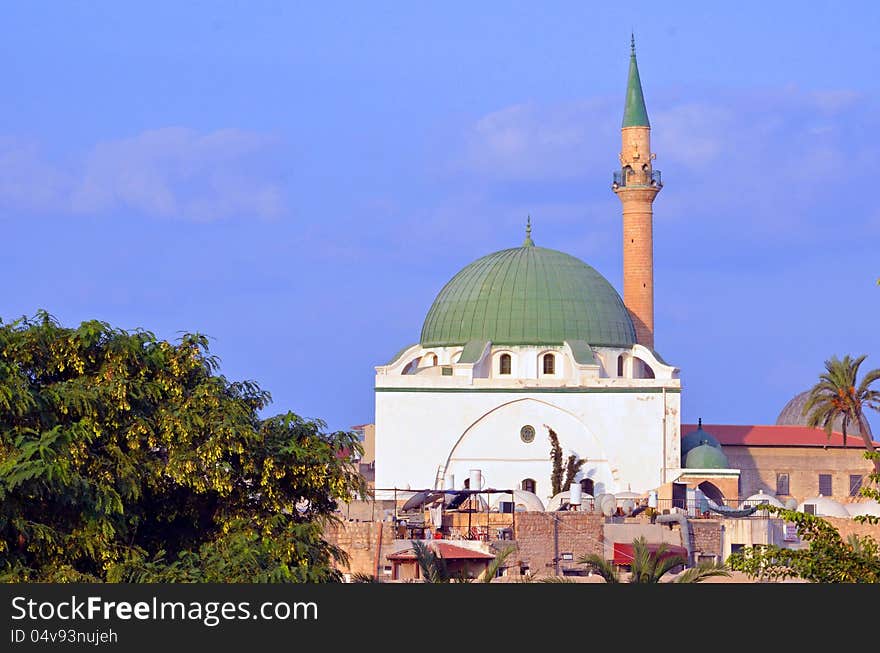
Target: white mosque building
529	339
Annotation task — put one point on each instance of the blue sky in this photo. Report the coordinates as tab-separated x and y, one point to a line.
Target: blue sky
298	180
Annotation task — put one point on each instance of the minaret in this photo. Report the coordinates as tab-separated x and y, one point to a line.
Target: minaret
637	184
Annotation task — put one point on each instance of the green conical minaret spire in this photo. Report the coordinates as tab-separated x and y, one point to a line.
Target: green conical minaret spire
634	113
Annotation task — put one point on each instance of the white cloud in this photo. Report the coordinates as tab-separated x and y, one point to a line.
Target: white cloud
529	141
767	161
27	181
172	172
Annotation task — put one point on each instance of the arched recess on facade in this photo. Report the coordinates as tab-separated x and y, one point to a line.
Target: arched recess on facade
412	366
613	472
712	492
641	370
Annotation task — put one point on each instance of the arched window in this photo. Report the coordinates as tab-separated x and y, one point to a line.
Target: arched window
432	359
549	364
504	364
620	365
587	486
529	485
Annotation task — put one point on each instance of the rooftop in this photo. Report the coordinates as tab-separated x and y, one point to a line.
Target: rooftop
777	436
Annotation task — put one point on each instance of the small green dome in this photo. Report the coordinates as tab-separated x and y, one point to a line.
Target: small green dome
705	456
528	295
696	438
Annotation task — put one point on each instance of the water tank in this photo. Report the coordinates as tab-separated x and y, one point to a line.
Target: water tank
476	479
652	499
574	494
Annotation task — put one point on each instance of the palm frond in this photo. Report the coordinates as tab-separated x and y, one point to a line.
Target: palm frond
433	568
701	572
601	566
496	564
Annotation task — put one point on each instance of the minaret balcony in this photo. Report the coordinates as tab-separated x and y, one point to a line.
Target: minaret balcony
634	178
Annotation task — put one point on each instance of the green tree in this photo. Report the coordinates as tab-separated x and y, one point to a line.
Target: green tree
870	488
650	566
126	458
828	558
561	471
839	394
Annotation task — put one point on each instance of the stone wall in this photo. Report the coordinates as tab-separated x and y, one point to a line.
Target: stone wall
360	540
706	538
759	466
847	527
576	533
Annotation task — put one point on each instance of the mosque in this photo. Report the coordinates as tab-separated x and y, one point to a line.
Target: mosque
527	341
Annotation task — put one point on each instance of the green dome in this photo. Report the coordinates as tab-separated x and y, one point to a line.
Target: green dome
705	456
528	295
696	438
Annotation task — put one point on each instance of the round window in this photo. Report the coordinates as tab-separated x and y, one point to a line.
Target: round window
527	433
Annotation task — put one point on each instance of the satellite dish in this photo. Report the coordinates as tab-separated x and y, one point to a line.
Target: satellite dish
607	504
628	506
791	504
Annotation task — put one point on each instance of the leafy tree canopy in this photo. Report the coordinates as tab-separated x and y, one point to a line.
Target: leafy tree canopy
126	458
828	558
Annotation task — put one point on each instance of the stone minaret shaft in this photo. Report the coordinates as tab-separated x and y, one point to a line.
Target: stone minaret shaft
637	184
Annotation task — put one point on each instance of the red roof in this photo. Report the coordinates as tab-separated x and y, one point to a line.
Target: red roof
776	436
623	552
443	550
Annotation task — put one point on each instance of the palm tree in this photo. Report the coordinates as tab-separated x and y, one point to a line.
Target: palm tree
496	564
433	567
361	577
650	566
838	395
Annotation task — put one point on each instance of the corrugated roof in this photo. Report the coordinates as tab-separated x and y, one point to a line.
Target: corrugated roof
473	351
776	436
582	352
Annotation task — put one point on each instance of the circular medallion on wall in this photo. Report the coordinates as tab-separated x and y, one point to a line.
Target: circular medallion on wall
527	433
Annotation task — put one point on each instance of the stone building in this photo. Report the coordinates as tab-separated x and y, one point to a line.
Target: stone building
529	340
790	461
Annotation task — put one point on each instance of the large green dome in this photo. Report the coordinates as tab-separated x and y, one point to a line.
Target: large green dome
528	295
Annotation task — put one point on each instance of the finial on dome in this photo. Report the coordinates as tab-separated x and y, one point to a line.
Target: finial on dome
528	241
699	422
632	42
